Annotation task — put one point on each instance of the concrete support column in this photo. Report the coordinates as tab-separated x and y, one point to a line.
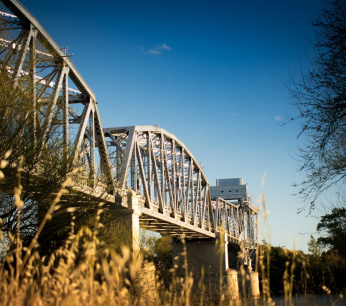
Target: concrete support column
199	254
129	219
206	254
226	254
133	222
145	287
254	283
203	257
249	283
232	284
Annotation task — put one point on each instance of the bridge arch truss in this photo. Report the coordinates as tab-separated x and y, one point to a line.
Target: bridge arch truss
157	165
171	187
62	102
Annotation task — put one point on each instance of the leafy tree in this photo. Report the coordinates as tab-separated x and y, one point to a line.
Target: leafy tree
334	276
163	255
158	249
333	226
315	250
327	268
320	98
43	169
283	265
16	136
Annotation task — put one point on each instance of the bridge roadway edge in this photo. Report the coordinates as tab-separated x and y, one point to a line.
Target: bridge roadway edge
148	218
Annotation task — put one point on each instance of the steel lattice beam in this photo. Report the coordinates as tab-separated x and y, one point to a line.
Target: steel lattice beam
157	165
61	97
172	189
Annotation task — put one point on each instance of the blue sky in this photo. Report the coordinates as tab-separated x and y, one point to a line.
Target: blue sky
211	72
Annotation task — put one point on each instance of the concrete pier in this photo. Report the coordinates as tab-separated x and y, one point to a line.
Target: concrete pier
254	283
207	259
129	220
232	291
200	254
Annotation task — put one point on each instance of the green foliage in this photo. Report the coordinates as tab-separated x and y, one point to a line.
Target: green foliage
333	227
334	267
293	272
163	258
315	251
158	249
285	266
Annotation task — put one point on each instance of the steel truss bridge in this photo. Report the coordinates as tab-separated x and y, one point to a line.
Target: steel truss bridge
172	190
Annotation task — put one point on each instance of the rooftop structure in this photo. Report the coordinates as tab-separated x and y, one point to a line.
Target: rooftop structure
230	189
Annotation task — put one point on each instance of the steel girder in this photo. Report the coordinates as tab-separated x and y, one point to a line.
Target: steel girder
238	221
148	160
157	165
62	101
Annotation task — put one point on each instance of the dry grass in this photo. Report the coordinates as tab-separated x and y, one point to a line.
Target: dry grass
78	273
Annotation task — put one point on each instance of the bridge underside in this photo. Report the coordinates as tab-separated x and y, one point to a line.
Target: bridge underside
165	226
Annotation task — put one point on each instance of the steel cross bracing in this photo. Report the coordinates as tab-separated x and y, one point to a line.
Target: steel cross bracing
154	163
62	101
172	190
238	221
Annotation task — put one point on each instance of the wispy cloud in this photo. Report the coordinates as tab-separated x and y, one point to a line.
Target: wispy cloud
157	50
165	47
234	114
278	118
